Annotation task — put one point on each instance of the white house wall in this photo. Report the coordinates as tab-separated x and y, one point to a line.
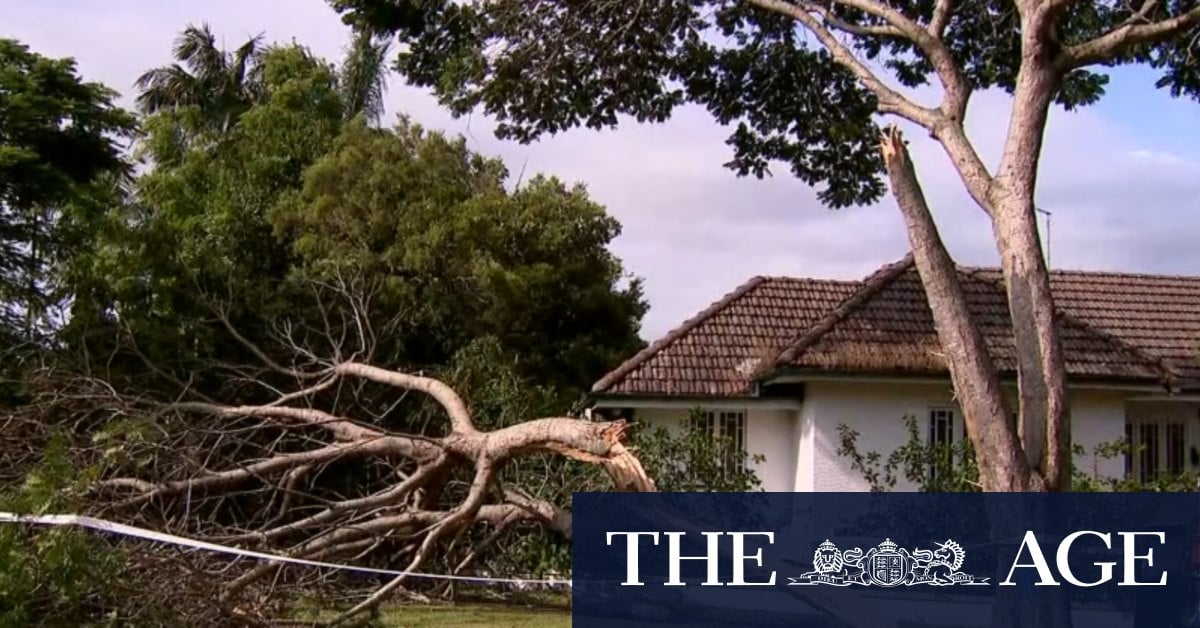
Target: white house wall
770	432
877	410
1098	417
800	444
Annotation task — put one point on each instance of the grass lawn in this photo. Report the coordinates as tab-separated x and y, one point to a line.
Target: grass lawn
526	610
474	616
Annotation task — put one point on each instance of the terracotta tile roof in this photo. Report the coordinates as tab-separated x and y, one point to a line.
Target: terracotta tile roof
714	352
1113	327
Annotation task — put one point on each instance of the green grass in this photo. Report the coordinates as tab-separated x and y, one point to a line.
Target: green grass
526	610
474	616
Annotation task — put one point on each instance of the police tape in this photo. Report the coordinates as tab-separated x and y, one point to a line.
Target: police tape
112	527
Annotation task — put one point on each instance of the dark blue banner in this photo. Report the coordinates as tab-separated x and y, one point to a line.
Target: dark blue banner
880	560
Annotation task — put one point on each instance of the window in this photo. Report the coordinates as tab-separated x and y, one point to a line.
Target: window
942	435
1155	448
727	424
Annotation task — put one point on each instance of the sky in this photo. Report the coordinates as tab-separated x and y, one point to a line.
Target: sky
1120	179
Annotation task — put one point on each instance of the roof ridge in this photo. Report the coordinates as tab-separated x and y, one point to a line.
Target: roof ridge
810	279
1092	273
616	375
871	285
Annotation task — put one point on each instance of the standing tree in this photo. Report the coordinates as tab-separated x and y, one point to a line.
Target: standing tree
805	81
363	75
220	84
60	155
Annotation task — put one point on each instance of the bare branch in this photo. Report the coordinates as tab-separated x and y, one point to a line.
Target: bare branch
484	474
946	122
874	30
456	408
956	90
389	496
275	464
342	428
1115	42
223	316
971	169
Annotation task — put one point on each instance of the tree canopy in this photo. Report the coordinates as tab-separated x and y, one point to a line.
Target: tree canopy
60	155
296	191
806	102
459	256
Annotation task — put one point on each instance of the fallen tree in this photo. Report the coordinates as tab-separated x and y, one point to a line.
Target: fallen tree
323	458
411	508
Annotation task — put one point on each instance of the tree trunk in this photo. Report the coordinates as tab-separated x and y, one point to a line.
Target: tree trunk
972	372
1043	422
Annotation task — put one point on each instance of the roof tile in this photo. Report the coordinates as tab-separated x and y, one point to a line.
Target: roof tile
1112	326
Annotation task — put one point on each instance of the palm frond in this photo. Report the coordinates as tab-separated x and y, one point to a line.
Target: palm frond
167	87
196	47
363	76
246	56
220	83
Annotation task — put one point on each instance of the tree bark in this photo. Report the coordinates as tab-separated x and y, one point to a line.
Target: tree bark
972	372
1042	425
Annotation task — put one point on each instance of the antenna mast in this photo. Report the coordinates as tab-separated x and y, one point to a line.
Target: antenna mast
1047	214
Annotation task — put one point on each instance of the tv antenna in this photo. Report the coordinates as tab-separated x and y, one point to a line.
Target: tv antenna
1047	214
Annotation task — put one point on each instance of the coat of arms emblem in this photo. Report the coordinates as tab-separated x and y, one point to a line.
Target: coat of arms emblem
888	565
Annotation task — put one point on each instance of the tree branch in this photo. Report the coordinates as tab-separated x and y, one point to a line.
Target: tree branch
484	472
456	408
954	83
223	316
412	511
945	122
971	169
343	429
275	464
388	496
1113	43
942	12
890	101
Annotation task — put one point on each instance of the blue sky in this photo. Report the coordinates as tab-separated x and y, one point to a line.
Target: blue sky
1122	178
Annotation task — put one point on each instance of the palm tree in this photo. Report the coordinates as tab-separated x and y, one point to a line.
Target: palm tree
363	76
221	84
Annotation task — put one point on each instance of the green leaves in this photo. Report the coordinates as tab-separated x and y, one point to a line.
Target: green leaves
951	468
60	154
461	257
51	572
687	459
547	66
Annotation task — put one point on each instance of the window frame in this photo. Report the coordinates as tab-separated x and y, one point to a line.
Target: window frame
716	423
1167	451
950	414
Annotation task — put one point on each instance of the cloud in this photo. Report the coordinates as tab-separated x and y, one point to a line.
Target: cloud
1120	199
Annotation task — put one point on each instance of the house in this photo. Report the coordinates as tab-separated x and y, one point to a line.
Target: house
779	363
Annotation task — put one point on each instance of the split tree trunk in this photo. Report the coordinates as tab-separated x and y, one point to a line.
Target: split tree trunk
1002	465
972	372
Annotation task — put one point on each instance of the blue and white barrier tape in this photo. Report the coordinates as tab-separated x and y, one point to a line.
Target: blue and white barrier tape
112	527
